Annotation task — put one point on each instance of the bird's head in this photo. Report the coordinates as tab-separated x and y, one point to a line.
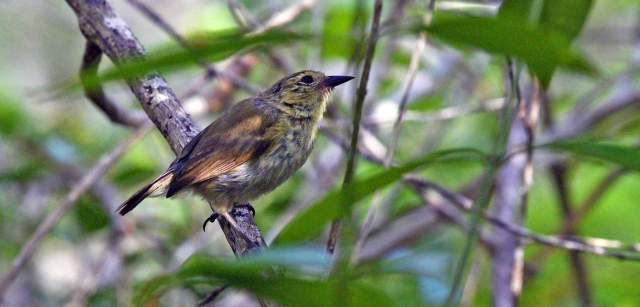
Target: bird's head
304	90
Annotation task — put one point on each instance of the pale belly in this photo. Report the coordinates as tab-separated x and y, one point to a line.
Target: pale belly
262	175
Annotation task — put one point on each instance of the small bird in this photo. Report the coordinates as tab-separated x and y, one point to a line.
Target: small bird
251	149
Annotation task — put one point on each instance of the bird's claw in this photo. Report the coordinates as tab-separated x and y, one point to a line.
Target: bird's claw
212	218
247	206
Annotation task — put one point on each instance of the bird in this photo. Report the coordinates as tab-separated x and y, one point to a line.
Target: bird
250	149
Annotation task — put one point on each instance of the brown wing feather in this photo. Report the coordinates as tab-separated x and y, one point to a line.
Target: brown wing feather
240	134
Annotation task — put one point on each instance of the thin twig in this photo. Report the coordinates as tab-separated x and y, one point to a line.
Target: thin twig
372	213
484	198
285	16
583	209
241	15
213	295
212	71
559	174
357	115
115	112
279	19
447	113
86	182
596	246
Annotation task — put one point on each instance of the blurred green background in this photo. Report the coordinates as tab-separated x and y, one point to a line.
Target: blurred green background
48	139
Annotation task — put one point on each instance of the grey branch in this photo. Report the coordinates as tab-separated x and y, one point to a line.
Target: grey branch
577	123
512	186
85	183
101	25
352	155
211	70
116	113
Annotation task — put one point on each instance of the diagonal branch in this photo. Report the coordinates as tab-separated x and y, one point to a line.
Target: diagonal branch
116	113
101	25
85	183
210	69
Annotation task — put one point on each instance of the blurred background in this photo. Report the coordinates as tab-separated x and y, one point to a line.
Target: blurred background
92	257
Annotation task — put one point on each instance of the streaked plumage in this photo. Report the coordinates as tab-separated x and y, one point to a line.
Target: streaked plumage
251	148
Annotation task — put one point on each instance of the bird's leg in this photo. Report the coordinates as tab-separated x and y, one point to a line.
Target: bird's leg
212	218
222	208
248	207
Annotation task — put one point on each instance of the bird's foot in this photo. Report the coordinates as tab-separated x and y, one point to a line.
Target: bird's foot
247	206
212	218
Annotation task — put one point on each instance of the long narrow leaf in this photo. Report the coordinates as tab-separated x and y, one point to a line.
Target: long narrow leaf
310	222
257	275
540	49
625	156
207	46
566	17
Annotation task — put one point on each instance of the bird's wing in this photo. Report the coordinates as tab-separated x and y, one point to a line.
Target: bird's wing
237	136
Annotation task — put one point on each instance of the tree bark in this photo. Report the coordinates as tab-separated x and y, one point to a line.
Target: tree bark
100	24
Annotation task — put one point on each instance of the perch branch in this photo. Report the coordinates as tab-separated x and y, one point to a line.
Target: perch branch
101	25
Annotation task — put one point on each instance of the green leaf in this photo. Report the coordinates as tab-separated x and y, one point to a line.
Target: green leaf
207	46
516	9
13	118
427	103
310	222
258	275
541	50
566	17
89	215
625	156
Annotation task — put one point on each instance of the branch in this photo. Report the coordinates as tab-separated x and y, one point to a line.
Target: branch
102	26
403	231
559	174
245	20
212	72
86	182
357	114
512	185
115	112
576	124
596	246
285	16
372	213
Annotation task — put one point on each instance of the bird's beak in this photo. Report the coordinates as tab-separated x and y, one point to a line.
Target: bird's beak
333	81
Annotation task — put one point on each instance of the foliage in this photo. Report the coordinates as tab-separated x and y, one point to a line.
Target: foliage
159	256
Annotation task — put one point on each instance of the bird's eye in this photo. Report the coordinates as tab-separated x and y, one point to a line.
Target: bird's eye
307	79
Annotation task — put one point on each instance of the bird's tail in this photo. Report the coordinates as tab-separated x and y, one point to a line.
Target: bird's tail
156	188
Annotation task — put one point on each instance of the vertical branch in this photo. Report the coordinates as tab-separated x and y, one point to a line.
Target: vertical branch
395	135
559	174
558	171
486	188
357	115
512	186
